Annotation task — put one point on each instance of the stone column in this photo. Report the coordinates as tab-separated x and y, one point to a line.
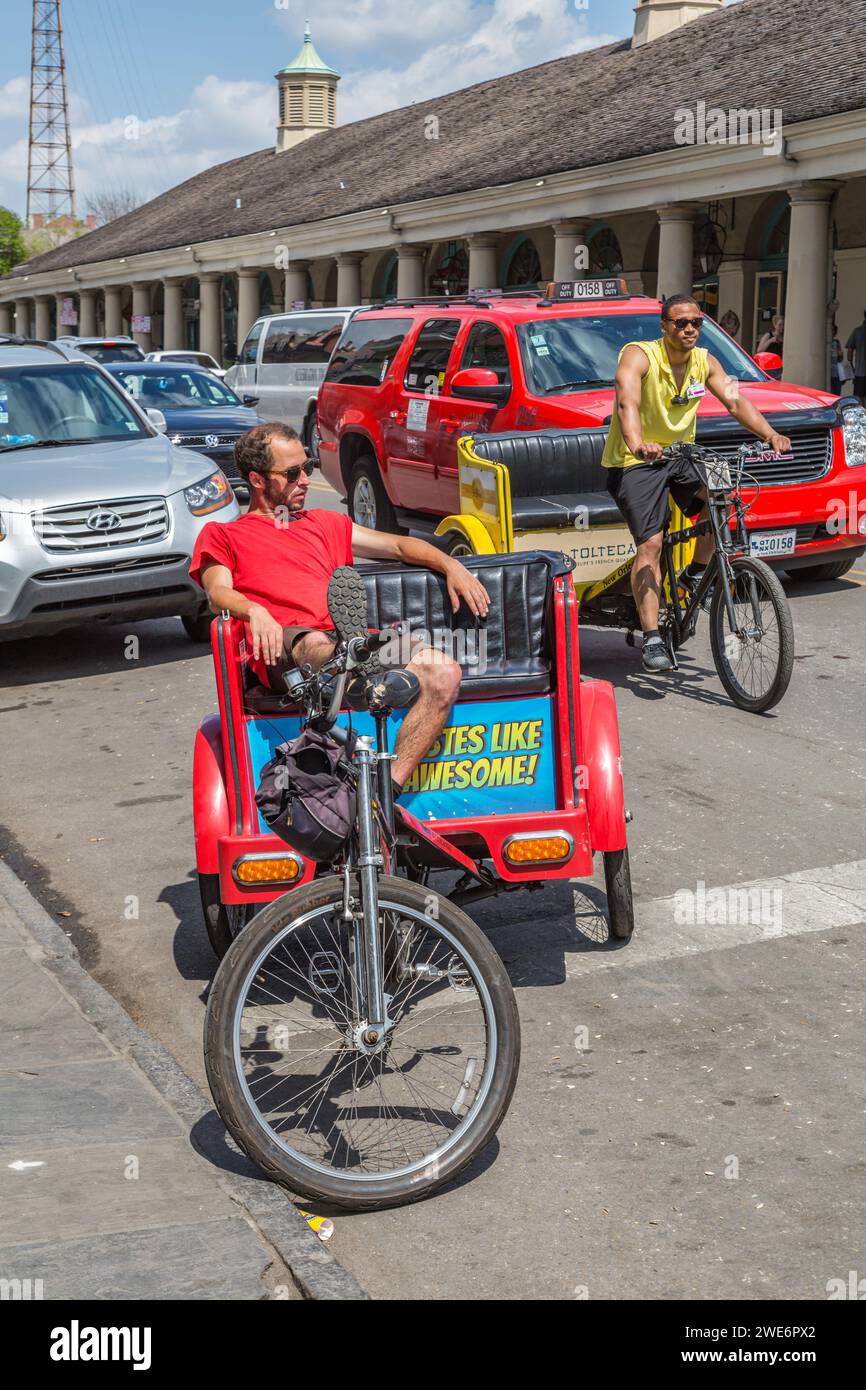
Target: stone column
737	296
172	313
570	256
248	302
22	318
676	249
349	278
410	271
113	311
141	306
6	317
210	329
296	284
87	313
483	271
806	313
42	322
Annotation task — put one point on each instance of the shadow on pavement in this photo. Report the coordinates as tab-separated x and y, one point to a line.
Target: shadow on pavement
94	649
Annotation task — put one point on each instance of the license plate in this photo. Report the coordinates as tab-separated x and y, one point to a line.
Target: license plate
769	544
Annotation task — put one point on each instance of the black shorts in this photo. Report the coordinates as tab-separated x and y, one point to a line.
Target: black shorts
641	493
860	386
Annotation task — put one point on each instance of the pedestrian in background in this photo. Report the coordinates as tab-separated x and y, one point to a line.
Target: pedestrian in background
773	339
856	346
836	358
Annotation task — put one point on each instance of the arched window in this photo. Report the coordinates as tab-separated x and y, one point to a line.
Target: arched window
451	276
605	256
523	265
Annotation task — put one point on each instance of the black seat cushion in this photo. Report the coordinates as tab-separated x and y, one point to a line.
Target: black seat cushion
511	645
553	473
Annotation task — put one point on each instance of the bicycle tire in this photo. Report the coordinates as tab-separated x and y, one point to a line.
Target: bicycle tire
620	902
772	587
257	1140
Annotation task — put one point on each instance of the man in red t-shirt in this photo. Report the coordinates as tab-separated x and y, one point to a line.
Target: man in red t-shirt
272	566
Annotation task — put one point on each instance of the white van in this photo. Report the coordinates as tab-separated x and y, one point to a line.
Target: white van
283	362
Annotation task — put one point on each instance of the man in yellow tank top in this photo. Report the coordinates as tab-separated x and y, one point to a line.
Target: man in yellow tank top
659	386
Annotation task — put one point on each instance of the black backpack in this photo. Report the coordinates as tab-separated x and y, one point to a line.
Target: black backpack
307	795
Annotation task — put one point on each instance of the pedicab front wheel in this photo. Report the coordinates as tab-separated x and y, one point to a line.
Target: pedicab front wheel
620	903
309	1097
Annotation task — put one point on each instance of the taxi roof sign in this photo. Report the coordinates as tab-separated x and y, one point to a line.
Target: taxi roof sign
576	291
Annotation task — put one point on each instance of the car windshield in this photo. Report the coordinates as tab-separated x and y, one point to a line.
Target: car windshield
67	403
581	351
176	388
115	353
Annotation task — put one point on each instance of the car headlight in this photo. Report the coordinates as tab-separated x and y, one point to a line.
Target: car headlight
854	435
208	495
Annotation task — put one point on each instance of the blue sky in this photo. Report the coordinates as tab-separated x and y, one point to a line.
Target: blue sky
197	76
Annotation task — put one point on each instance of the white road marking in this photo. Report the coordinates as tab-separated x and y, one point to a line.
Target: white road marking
814	900
19	1165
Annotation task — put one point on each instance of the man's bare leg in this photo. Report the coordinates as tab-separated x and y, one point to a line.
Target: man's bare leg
439	678
646	581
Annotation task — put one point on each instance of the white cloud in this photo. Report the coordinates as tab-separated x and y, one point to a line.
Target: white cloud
15	99
515	34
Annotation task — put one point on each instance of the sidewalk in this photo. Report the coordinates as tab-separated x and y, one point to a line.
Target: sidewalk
117	1179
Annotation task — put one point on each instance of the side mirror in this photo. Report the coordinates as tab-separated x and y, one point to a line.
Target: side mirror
480	384
157	419
768	361
251	400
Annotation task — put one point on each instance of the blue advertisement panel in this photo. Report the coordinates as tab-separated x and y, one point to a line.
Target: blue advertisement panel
490	759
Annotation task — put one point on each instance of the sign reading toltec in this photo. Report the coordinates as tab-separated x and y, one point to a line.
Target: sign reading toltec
141	323
68	313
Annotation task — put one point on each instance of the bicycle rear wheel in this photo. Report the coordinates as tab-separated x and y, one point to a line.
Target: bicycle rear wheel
755	660
297	1086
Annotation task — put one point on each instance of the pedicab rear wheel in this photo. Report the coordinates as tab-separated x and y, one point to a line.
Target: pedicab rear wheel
457	545
620	903
224	921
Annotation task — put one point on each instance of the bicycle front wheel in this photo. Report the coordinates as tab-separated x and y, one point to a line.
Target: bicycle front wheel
755	658
297	1085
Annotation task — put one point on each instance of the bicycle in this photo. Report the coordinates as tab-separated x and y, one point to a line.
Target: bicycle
751	629
362	1039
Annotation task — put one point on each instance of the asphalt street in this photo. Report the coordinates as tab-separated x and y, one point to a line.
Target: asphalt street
689	1116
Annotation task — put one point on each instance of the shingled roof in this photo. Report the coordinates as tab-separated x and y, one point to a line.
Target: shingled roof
586	109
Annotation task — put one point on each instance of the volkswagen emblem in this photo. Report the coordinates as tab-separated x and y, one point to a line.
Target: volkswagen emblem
212	441
101	519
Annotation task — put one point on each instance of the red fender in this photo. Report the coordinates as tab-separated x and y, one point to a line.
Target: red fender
602	770
209	803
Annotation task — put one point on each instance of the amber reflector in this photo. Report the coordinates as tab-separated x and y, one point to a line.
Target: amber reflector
538	851
267	870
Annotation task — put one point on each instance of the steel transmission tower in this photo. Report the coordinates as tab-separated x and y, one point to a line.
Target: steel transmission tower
50	177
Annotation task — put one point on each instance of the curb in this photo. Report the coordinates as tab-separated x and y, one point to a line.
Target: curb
317	1272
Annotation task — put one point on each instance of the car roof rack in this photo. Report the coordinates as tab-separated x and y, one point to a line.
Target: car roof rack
482	299
14	340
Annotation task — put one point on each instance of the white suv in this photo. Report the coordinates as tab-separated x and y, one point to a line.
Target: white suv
99	513
282	365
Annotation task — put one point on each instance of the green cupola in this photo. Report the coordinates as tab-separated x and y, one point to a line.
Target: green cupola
308	96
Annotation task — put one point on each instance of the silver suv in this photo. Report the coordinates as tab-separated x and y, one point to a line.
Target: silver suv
99	513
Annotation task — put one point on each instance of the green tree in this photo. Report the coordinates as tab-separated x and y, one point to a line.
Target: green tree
12	248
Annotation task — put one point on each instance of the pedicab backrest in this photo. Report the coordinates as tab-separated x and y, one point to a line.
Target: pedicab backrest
500	749
543	490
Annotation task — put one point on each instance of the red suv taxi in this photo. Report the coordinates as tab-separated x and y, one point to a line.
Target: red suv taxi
408	378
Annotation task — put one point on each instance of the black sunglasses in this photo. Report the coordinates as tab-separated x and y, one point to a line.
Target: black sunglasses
683	323
292	475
